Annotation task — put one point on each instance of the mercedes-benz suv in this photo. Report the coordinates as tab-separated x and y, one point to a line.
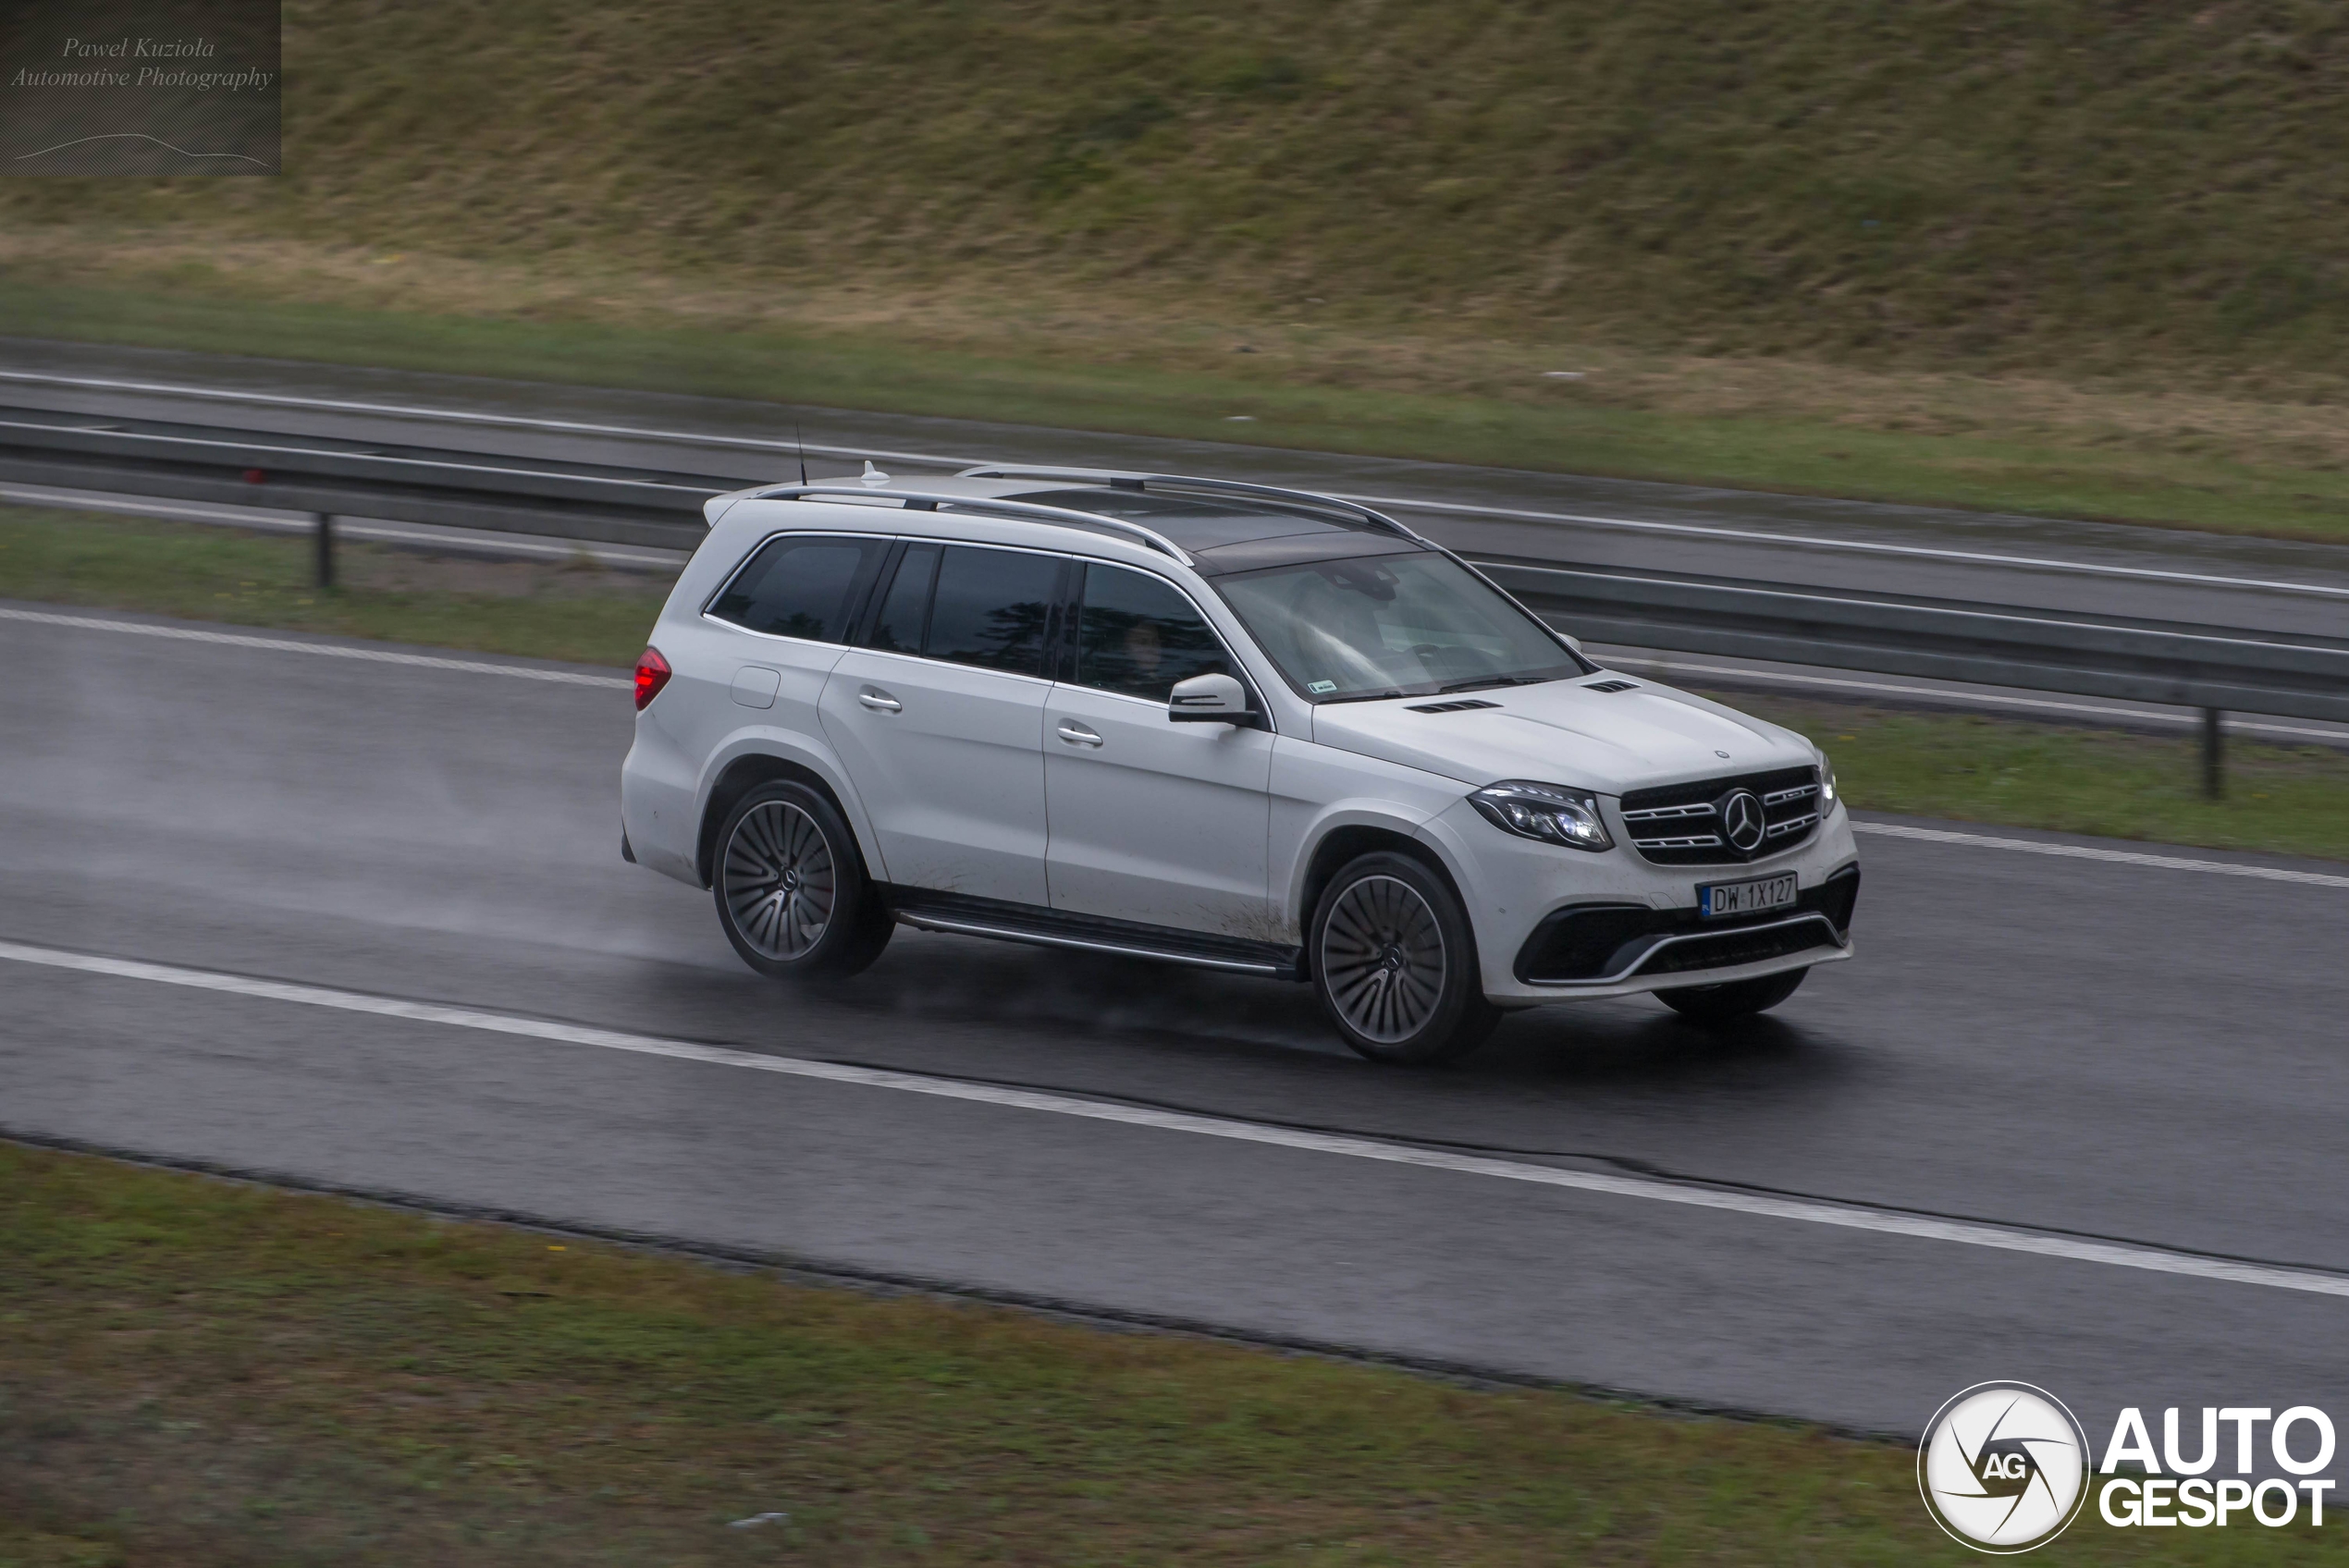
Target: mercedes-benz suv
1214	723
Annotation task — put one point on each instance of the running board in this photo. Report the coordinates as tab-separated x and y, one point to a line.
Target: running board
928	911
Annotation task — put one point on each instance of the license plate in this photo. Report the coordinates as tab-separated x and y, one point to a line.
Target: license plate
1716	900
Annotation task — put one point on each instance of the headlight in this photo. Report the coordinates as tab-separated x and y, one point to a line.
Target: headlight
1827	784
1545	812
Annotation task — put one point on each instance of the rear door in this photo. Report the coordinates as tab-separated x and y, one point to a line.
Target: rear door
1151	821
941	718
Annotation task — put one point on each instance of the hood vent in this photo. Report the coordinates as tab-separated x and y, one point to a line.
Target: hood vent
1613	686
1460	706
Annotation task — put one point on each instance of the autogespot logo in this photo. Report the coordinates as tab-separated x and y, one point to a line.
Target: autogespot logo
2003	1467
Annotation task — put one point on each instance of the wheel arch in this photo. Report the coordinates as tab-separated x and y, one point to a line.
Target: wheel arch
745	772
1346	842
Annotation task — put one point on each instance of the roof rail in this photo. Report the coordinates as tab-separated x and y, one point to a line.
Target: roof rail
1118	479
1028	511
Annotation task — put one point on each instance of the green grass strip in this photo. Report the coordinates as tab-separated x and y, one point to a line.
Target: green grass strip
570	611
2052	478
202	1373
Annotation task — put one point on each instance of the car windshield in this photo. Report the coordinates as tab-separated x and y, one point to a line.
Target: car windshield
1391	626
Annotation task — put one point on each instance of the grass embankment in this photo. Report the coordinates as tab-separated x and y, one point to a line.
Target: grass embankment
2198	460
2052	257
194	1373
1990	770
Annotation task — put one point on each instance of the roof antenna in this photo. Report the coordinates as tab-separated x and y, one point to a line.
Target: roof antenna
800	441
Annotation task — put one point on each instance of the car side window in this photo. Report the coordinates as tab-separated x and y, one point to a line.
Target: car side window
905	610
1138	635
797	586
991	609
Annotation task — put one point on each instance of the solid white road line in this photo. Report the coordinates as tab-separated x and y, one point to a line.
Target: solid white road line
1396	503
1851	1216
323	650
2087	852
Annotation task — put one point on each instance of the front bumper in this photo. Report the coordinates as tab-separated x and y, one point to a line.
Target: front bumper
1586	945
1560	924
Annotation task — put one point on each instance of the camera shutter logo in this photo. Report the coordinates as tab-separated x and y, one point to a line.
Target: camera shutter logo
2003	1467
1742	821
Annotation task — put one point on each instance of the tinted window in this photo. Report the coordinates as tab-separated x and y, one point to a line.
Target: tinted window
898	628
991	608
799	587
1139	635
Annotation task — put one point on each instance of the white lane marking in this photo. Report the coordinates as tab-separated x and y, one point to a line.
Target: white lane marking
323	650
2084	852
1852	1216
1397	503
1960	696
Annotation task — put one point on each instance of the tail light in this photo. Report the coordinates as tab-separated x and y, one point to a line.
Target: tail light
652	674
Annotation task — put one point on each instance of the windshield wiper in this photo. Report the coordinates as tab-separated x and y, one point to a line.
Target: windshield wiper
1497	681
1363	697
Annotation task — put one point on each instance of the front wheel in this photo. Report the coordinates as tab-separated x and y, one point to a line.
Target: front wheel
791	887
1395	962
1738	998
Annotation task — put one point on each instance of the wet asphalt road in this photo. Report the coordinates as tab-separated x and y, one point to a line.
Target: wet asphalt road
2121	1050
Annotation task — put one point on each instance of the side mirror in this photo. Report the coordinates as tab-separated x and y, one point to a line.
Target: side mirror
1572	642
1209	699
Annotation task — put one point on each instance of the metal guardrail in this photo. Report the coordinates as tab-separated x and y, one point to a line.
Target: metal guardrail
2213	668
2183	665
329	478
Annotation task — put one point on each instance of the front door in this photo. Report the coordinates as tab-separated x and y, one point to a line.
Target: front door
1152	821
940	723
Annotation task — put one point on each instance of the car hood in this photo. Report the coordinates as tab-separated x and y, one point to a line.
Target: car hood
1564	732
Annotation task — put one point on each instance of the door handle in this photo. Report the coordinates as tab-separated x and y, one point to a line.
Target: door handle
878	701
1077	734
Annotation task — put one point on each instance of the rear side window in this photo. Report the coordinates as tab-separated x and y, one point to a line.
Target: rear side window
905	610
991	609
801	587
1138	635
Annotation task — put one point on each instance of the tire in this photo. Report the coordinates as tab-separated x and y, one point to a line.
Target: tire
1738	998
1393	962
791	887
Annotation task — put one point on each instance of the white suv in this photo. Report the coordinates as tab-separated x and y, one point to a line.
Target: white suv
1214	723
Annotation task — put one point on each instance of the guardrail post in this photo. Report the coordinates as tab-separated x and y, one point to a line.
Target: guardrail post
2214	755
325	535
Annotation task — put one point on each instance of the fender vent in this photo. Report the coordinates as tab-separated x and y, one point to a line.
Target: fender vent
1613	686
1459	706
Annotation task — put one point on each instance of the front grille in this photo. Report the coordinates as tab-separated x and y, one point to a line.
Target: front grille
1681	824
1597	942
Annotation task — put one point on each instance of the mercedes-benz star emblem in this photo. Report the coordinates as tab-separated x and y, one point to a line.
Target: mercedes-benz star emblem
1742	821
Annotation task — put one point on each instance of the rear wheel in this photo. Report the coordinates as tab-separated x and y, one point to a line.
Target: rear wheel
791	887
1395	962
1738	998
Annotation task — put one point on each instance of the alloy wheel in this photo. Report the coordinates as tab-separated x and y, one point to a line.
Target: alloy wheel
1382	959
780	882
